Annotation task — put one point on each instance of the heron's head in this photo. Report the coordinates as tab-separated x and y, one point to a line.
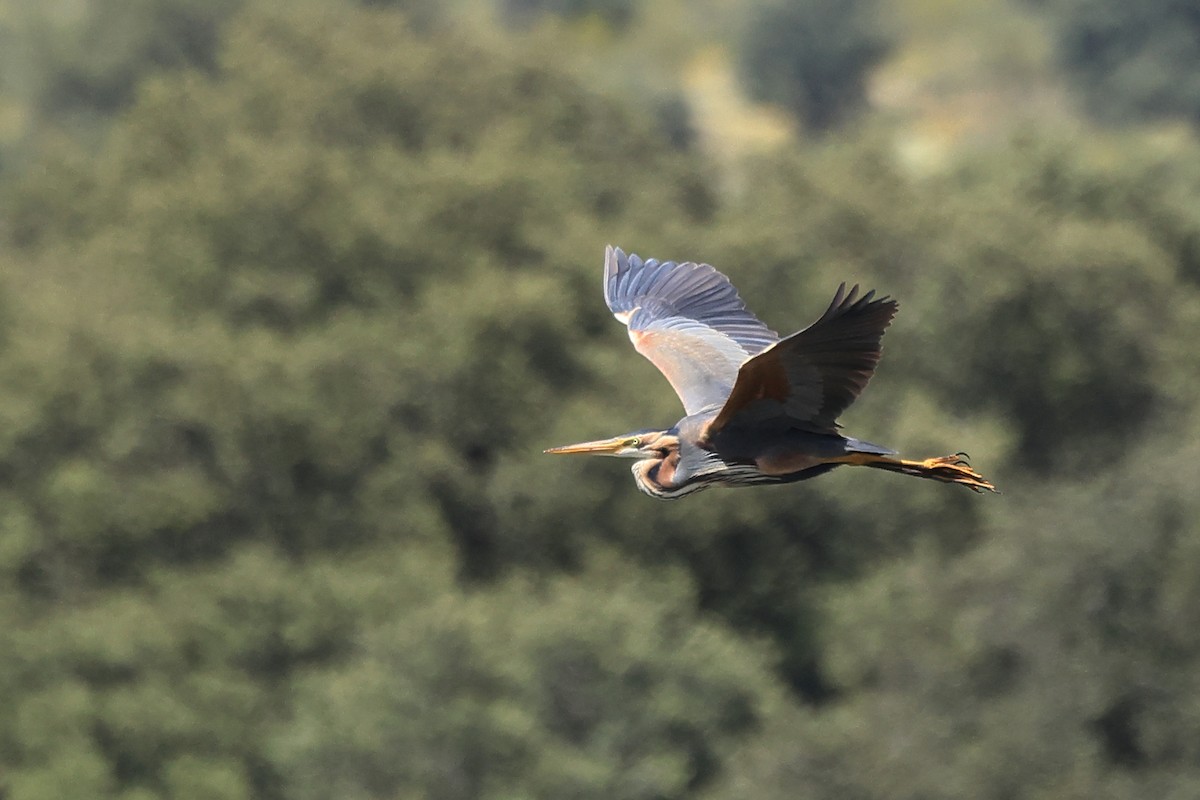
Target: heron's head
640	444
657	468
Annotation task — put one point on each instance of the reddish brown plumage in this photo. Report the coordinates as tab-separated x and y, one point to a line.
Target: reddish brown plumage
813	375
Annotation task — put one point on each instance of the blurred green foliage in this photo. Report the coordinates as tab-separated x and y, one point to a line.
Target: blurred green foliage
617	13
1132	60
285	327
812	57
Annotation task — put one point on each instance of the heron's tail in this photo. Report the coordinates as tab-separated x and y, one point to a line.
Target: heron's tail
948	469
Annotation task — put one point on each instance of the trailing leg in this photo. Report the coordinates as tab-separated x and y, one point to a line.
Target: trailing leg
947	469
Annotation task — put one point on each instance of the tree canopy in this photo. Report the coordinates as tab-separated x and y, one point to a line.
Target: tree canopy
286	323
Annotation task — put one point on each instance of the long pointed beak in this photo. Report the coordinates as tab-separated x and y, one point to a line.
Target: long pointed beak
602	447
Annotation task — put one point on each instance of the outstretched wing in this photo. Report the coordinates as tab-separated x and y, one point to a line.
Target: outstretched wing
688	320
809	378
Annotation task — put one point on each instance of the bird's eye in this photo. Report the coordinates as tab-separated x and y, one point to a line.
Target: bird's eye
636	441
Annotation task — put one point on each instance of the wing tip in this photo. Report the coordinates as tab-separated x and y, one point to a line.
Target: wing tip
615	262
847	301
614	258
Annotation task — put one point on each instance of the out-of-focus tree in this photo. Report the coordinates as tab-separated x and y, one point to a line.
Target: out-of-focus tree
582	687
299	311
1050	662
67	69
617	13
91	61
281	354
812	57
342	270
371	675
1133	61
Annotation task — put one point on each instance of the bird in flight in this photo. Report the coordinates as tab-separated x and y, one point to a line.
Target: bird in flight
759	409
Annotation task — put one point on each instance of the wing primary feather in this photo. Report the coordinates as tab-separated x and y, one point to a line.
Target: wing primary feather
688	319
809	378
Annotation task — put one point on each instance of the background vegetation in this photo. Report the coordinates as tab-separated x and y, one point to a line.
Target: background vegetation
292	298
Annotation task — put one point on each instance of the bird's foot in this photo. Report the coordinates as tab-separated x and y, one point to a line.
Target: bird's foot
956	469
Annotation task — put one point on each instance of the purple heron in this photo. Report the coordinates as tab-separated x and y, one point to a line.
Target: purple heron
759	409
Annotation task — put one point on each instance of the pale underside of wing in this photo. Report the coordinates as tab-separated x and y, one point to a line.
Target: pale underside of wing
688	320
809	378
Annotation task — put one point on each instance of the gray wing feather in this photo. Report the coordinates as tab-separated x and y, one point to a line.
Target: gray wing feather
688	290
688	320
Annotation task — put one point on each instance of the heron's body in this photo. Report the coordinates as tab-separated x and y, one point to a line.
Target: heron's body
760	409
